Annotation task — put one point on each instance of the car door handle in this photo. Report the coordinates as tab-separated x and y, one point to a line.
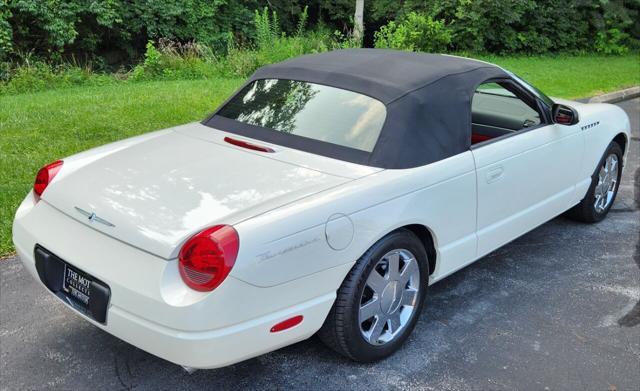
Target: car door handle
494	174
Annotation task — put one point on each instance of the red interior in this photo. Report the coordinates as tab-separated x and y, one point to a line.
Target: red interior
478	138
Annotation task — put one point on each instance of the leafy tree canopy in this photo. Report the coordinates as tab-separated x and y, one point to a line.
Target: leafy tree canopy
116	31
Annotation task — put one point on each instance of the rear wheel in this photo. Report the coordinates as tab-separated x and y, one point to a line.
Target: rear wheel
378	303
604	187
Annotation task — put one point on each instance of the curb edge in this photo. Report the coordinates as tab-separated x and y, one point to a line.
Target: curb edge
617	96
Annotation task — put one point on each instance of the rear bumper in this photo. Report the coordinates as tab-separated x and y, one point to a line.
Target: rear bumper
152	309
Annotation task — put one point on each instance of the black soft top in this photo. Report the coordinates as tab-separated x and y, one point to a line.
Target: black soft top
427	96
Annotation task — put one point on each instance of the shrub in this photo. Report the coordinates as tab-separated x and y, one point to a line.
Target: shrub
151	65
117	31
267	28
340	40
173	60
611	42
533	26
414	32
239	63
55	29
6	32
38	76
271	45
169	59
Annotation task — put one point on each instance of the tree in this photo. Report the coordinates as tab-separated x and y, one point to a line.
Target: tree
358	28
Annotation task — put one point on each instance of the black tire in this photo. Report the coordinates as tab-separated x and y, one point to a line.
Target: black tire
341	330
586	211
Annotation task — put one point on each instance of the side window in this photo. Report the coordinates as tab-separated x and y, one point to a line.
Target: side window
496	111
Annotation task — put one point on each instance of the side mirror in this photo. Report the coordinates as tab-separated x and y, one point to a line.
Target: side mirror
564	115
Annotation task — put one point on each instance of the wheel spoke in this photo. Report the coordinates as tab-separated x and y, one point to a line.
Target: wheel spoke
409	297
370	309
376	282
410	267
614	164
603	201
394	322
376	330
394	266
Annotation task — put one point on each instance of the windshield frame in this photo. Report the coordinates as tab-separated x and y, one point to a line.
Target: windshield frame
535	91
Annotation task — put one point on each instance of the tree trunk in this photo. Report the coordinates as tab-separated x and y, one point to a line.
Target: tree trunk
358	28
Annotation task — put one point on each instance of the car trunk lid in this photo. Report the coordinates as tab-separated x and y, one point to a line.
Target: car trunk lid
155	194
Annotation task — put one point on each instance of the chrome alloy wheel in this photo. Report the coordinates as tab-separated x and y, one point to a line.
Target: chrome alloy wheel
607	180
390	297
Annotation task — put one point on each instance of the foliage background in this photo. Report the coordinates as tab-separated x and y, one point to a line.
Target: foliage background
110	33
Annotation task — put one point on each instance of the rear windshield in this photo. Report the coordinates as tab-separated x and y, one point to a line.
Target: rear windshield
309	110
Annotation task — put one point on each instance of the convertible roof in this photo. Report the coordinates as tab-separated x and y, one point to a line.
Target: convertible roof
427	96
383	74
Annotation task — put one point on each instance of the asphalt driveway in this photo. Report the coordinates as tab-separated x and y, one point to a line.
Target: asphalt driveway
557	309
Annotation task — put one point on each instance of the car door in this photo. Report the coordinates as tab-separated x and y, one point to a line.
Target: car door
526	166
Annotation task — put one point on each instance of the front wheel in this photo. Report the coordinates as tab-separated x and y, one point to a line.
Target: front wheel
379	301
604	187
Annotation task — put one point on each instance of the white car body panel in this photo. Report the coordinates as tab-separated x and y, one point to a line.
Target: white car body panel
524	181
395	198
303	220
173	179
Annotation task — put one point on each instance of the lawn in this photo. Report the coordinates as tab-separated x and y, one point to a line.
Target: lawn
42	127
575	77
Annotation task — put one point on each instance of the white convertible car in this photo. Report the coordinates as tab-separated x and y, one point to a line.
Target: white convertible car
324	196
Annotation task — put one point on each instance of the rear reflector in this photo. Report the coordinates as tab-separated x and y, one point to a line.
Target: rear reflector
287	324
248	145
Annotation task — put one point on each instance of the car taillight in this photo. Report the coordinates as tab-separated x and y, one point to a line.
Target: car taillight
45	176
206	259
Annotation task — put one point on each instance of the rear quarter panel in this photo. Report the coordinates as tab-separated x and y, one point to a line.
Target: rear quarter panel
293	241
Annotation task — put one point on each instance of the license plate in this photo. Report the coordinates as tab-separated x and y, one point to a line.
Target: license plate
78	289
77	285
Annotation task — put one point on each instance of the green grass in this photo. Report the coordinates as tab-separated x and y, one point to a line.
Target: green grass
41	127
575	77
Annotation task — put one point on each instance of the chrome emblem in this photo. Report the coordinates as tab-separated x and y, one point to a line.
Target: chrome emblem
91	216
